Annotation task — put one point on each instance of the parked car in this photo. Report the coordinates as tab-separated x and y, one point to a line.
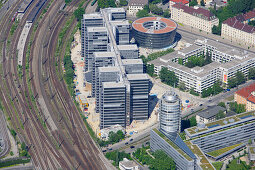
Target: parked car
126	143
132	147
131	139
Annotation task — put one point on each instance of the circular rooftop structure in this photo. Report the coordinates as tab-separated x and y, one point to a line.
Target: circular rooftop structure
154	32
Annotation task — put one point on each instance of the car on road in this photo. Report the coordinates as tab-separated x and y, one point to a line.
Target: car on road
110	149
104	150
132	147
126	143
131	139
201	105
209	100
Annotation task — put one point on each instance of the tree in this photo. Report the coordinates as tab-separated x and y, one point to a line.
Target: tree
220	115
146	8
168	77
202	3
67	1
155	9
150	69
193	121
232	82
78	13
106	3
193	92
252	23
142	13
182	86
180	61
166	14
222	104
123	3
251	73
238	108
193	3
240	78
250	141
216	30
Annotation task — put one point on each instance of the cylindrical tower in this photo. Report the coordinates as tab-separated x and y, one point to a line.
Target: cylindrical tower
170	114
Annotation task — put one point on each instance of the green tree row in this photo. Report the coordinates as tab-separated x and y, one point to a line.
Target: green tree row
168	77
238	108
214	90
113	138
238	79
194	61
117	156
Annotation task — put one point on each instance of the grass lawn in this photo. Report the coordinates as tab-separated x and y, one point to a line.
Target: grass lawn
217	165
235	166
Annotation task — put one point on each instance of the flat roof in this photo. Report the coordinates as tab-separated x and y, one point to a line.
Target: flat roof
120	22
112	10
170	25
128	47
96	29
132	61
211	111
113	84
137	76
109	69
104	54
92	16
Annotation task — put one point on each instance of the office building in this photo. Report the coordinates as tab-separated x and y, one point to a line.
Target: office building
116	13
105	74
195	17
112	104
121	31
226	61
209	114
170	114
96	41
89	20
101	59
246	96
133	66
139	96
128	51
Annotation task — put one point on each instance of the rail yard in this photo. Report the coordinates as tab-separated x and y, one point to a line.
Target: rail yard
35	98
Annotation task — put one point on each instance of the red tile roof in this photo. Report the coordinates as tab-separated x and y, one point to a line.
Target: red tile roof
206	14
180	1
237	24
246	92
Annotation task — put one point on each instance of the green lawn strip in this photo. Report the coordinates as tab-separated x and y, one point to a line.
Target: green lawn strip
235	166
223	150
217	165
8	163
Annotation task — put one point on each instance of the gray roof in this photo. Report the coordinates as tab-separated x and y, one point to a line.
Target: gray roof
211	111
120	22
137	2
113	84
128	47
104	54
132	61
137	76
96	29
92	16
128	164
108	69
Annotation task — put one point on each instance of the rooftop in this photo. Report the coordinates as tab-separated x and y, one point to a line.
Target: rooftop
132	61
120	22
113	84
211	111
180	1
92	16
104	54
128	47
137	2
128	164
246	92
221	151
96	29
108	69
137	76
236	22
201	12
170	25
113	10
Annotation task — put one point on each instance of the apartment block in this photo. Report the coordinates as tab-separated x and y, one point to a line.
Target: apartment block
133	66
128	51
101	59
195	17
112	104
172	2
246	96
139	96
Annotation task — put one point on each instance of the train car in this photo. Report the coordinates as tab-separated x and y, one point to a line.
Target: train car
14	16
93	3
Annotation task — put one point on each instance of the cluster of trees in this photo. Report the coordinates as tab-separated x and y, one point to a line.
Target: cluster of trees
168	77
200	61
193	92
123	3
233	8
23	151
237	80
222	104
238	108
154	9
68	1
220	115
251	73
252	23
13	133
117	156
214	90
161	161
188	123
78	13
113	138
193	3
11	162
69	71
150	69
106	3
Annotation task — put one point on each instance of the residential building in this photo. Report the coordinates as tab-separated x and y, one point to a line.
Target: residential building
121	31
135	5
89	20
237	29
246	96
139	96
105	74
129	51
128	165
195	17
133	66
101	59
251	153
170	114
96	41
226	61
172	2
104	133
112	104
209	114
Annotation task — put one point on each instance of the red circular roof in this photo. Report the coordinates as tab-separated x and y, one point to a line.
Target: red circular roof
170	25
